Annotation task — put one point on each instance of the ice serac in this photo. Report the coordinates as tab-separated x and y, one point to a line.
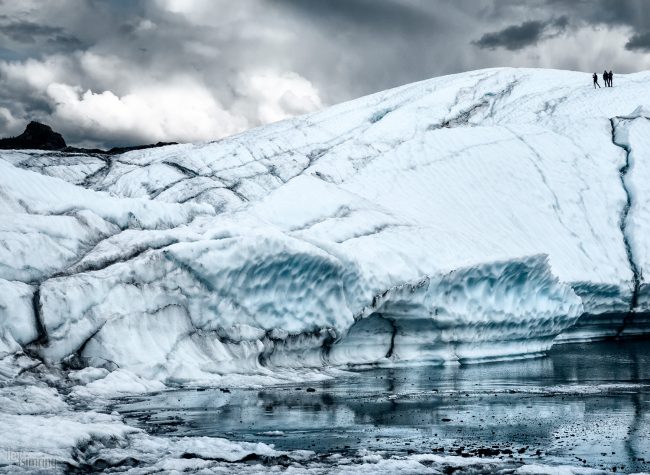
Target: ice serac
474	217
489	312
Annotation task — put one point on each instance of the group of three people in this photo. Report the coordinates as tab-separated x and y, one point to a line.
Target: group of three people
608	77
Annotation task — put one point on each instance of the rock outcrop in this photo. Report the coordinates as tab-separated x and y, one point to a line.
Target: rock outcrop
36	136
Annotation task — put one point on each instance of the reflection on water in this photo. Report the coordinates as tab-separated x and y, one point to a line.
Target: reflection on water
582	404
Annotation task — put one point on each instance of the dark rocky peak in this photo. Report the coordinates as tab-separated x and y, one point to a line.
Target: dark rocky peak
36	136
39	136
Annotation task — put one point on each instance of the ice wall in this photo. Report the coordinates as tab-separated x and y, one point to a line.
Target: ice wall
466	218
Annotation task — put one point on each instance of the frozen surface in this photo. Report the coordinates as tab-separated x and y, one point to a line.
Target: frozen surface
474	217
583	405
582	410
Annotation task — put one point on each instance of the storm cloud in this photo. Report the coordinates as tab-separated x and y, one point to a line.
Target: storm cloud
125	72
639	42
520	36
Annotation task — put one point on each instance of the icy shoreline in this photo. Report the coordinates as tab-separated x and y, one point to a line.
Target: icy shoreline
539	412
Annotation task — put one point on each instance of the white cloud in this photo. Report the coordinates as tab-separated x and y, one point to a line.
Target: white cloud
145	25
179	110
184	6
280	95
9	122
35	74
130	104
209	12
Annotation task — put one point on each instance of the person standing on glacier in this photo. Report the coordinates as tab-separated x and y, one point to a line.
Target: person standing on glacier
611	79
595	76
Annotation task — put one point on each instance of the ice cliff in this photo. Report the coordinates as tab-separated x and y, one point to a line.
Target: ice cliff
480	216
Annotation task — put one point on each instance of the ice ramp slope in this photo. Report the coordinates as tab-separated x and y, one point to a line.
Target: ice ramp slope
472	217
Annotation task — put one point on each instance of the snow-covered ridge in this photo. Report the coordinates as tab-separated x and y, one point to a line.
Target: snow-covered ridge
466	218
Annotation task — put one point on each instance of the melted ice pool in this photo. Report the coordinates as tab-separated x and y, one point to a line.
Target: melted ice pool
583	405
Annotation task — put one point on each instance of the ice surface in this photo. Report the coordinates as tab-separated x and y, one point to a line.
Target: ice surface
40	433
466	218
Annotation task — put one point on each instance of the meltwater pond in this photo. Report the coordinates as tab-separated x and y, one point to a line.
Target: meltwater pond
585	405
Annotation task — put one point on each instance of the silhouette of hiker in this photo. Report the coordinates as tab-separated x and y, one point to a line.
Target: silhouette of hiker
611	79
606	78
595	76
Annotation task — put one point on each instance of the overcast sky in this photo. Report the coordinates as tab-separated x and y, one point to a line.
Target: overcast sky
126	71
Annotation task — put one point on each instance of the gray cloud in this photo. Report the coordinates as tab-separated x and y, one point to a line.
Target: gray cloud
640	41
513	37
46	37
27	31
520	36
124	72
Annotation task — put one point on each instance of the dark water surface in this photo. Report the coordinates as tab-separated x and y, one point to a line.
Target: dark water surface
582	405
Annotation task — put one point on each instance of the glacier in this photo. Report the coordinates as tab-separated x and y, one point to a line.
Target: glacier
475	217
483	216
